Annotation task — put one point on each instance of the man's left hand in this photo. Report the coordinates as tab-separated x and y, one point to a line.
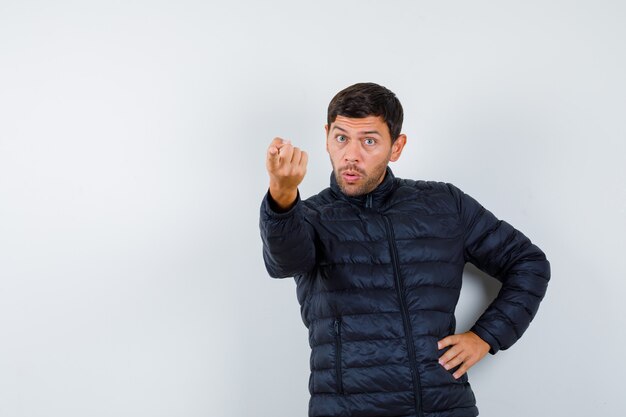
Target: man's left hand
466	350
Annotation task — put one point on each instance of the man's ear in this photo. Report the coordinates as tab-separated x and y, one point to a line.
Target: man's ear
326	129
396	148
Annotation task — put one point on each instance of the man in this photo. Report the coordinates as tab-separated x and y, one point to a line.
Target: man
378	263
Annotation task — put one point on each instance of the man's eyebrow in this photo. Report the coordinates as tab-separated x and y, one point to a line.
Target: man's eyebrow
339	128
368	132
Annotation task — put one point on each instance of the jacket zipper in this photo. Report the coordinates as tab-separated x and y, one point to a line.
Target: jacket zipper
408	331
338	355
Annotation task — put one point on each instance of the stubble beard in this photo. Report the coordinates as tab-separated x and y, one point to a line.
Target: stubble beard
369	184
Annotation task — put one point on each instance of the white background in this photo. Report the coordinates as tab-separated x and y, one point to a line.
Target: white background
132	145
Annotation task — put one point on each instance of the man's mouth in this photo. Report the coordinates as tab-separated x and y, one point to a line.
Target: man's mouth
351	175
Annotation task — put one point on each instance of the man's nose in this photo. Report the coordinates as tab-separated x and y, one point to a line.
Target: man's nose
352	151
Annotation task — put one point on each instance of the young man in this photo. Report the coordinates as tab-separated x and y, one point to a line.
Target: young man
378	263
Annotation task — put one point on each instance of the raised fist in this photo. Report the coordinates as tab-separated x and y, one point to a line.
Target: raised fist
286	166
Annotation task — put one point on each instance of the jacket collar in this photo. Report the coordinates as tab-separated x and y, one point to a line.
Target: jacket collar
373	199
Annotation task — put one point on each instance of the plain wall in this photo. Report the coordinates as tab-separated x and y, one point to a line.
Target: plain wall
132	144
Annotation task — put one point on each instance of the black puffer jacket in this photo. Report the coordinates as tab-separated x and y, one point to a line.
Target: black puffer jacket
378	278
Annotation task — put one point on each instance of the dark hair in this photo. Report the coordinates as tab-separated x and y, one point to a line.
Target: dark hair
368	99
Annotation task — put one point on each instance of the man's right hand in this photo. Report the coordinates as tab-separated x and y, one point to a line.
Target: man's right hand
286	166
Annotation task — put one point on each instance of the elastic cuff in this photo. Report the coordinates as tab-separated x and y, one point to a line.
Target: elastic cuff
270	209
487	337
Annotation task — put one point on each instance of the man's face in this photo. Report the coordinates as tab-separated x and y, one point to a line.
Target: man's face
360	149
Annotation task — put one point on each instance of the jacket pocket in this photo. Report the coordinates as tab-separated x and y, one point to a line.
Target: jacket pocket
338	355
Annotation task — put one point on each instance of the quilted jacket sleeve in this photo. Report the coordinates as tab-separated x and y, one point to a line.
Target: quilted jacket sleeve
288	240
503	252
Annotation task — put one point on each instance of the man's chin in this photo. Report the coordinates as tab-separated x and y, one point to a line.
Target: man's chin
352	190
361	186
357	193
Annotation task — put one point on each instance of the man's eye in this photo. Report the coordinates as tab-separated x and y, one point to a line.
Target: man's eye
341	138
369	141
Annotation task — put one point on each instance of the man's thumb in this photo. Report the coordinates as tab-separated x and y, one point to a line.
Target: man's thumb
272	155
